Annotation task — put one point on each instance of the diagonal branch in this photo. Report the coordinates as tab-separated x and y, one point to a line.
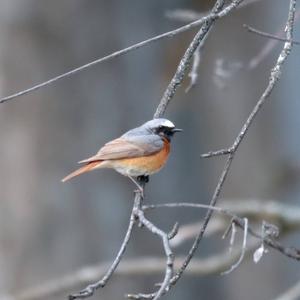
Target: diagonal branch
116	54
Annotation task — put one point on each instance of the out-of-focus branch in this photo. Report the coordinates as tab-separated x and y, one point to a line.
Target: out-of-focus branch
292	293
130	267
187	15
193	74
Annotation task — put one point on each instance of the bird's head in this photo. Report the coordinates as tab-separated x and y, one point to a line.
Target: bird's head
162	127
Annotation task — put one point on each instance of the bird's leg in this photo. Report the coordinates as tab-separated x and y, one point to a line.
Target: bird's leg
143	178
141	189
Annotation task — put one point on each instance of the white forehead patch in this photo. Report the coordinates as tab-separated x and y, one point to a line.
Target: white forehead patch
167	123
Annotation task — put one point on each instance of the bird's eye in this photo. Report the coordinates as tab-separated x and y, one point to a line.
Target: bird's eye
160	127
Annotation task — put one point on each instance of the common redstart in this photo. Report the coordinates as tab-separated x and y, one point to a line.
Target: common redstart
138	153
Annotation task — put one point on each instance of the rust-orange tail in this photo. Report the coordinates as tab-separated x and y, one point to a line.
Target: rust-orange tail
86	168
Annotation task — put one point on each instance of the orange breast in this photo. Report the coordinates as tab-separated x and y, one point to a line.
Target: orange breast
145	165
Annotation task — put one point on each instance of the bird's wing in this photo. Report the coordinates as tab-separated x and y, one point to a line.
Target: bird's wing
129	146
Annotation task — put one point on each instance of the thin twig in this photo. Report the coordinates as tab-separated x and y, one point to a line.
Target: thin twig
269	46
244	248
267	35
193	74
186	15
194	71
217	153
233	235
116	54
231	228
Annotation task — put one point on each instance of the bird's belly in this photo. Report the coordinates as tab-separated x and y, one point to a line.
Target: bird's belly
145	165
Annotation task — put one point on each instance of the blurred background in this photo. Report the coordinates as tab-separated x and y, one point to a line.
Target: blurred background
49	229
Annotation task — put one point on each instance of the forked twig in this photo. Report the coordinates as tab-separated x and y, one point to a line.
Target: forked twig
168	252
267	35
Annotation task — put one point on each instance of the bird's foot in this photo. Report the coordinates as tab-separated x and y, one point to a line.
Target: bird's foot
143	178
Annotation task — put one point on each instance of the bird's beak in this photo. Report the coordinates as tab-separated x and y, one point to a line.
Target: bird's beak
176	130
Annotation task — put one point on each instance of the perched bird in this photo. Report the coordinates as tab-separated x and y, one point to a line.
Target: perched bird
138	153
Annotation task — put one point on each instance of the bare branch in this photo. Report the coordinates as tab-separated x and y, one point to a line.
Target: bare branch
217	153
267	35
